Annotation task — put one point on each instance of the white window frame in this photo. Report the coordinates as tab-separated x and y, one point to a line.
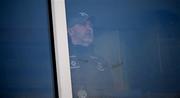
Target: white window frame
61	49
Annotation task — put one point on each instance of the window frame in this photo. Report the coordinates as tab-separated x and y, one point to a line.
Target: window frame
61	49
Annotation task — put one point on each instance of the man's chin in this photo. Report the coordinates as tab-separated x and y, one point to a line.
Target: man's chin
87	42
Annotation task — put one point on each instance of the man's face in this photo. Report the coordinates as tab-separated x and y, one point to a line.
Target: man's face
82	33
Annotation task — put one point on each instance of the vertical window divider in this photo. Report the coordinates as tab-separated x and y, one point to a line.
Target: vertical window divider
61	49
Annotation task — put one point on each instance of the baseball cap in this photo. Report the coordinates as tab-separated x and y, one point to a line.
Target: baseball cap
77	18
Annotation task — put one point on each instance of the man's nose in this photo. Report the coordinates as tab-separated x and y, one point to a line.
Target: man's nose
89	27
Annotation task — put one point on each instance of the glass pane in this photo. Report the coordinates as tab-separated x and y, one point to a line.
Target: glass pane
26	67
124	48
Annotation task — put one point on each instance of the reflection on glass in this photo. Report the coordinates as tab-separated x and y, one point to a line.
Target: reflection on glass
26	58
123	48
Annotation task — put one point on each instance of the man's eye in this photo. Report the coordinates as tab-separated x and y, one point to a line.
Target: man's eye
83	24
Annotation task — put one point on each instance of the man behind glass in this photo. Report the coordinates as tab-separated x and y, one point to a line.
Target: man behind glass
91	76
